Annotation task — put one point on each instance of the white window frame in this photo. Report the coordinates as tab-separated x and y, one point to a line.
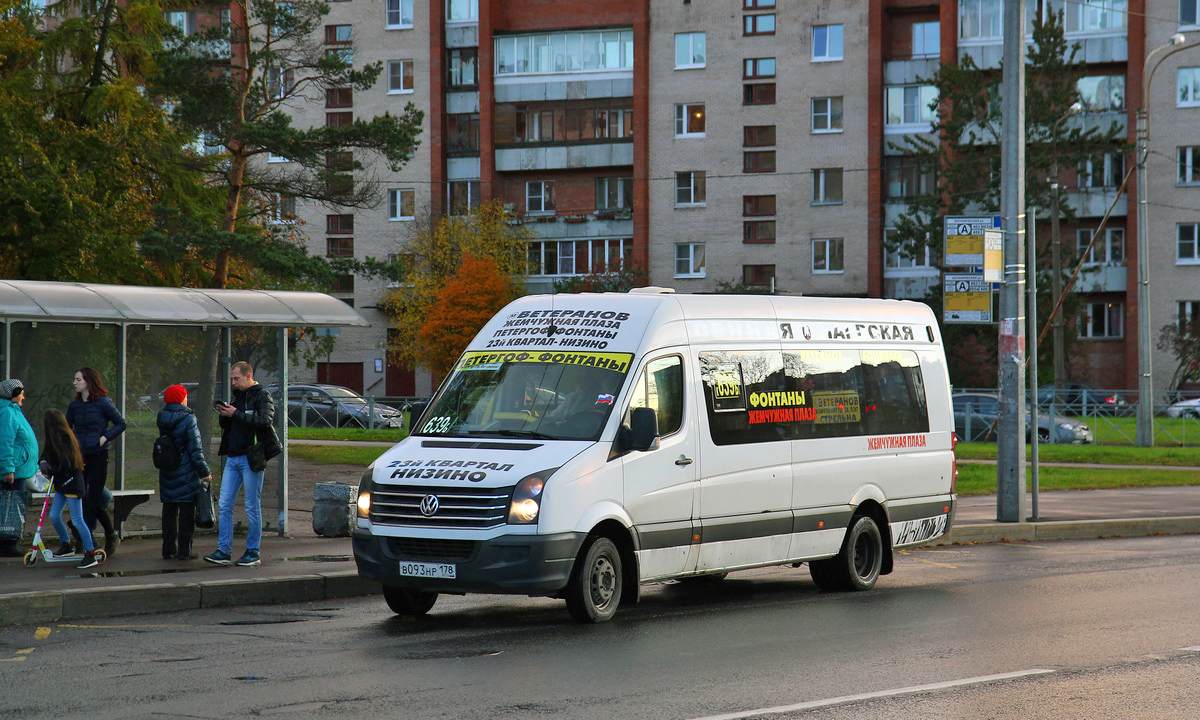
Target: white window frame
561	53
689	252
683	113
1109	251
1114	317
1187	252
1187	90
690	50
918	98
828	114
396	9
1113	87
821	190
564	255
921	41
539	197
1095	17
184	21
832	34
278	206
396	204
1194	7
1104	173
988	16
1188	164
472	11
894	261
823	248
691	188
411	74
271	157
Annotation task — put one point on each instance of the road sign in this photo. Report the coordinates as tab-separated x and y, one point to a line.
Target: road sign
993	255
966	298
963	238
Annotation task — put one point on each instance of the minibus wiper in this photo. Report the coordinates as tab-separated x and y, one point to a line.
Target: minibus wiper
517	433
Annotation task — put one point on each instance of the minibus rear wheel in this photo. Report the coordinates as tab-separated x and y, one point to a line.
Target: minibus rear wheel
594	592
408	601
857	565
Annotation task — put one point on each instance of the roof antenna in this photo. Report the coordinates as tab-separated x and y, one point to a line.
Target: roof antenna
551	328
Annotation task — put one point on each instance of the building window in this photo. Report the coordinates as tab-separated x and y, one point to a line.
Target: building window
400	76
897	259
281	209
689	50
758	135
1108	249
184	22
979	19
758	68
905	179
1102	320
1187	244
339	247
564	52
343	284
1103	93
758	205
910	105
339	224
463	67
689	188
1189	164
339	34
402	204
339	119
689	120
398	14
827	186
462	133
759	24
926	39
757	161
689	260
614	193
1188	312
280	82
758	94
614	123
1106	171
826	114
759	276
758	231
539	196
579	257
1189	12
463	196
757	4
1095	15
339	97
342	161
462	10
827	43
1189	87
827	256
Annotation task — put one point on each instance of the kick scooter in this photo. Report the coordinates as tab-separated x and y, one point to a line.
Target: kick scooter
39	545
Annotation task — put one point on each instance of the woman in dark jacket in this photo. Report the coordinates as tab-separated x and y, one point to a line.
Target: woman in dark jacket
96	422
178	486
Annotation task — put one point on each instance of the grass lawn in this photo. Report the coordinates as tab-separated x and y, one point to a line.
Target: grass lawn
331	455
1098	454
359	434
1123	430
981	479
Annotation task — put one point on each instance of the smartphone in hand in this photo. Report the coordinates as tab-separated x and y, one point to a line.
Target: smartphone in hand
218	404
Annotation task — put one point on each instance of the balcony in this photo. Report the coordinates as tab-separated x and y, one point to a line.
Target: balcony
1102	278
1094	202
565	157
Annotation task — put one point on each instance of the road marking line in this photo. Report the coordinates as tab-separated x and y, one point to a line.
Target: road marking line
1194	648
14	659
119	627
26	651
42	633
829	702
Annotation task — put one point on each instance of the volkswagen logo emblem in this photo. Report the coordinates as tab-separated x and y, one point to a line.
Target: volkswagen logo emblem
429	505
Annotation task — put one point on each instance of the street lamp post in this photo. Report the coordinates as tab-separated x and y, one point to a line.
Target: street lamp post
1145	409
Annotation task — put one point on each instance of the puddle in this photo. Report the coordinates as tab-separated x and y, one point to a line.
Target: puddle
129	573
320	558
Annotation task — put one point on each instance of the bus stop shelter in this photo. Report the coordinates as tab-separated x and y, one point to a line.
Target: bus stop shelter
143	339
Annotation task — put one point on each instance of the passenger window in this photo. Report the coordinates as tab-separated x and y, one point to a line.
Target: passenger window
661	388
895	393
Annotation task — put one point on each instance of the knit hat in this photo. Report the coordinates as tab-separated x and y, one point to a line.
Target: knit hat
175	394
9	389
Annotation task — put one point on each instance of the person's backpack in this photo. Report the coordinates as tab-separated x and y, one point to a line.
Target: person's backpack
165	454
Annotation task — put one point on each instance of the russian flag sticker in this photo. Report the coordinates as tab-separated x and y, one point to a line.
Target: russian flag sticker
605	399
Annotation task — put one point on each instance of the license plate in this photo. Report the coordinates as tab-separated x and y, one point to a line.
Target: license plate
444	571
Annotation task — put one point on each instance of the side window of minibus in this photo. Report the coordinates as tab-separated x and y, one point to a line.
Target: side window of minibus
661	387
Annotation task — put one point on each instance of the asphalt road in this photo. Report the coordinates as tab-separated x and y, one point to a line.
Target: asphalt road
1097	629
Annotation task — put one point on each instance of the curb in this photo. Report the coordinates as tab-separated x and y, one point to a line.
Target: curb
1069	530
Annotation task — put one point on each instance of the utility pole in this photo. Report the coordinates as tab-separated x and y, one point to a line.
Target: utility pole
1010	466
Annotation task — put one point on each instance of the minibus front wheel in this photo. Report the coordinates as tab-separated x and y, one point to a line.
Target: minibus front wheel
857	565
594	591
407	601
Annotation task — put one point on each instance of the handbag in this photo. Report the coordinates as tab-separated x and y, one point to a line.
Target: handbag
12	513
256	458
39	483
204	507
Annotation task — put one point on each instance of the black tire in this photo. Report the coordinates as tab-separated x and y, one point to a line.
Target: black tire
1043	436
856	567
407	601
594	591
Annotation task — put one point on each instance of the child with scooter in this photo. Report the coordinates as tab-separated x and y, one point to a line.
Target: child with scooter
62	462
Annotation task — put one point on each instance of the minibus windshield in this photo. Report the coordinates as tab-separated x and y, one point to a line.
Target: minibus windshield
547	395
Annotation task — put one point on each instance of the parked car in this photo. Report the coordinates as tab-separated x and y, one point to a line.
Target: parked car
1080	398
1185	409
321	405
975	421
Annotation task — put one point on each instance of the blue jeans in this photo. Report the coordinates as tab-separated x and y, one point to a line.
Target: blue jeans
236	476
76	506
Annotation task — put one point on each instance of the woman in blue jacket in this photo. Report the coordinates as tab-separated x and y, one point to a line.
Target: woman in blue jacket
18	452
96	422
178	486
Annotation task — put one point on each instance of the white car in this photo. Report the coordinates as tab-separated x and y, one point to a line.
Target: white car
1185	409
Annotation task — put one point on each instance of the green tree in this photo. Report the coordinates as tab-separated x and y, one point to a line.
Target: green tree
616	277
436	254
1182	341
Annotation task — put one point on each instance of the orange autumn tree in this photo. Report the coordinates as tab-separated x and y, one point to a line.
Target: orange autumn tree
463	305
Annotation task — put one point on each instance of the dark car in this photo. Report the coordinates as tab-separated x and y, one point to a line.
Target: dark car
975	421
1082	399
320	405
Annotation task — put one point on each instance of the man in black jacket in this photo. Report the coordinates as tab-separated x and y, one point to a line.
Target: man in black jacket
248	440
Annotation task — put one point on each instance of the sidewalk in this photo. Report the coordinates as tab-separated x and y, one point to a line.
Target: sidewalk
305	567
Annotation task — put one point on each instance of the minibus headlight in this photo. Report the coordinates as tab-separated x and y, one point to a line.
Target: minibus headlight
526	500
364	491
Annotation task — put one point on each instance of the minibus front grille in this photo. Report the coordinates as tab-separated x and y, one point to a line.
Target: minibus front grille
431	549
454	507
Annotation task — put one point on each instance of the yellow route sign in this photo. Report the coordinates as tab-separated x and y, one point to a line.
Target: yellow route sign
966	298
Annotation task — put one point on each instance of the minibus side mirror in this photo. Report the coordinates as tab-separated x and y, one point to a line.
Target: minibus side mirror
643	429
